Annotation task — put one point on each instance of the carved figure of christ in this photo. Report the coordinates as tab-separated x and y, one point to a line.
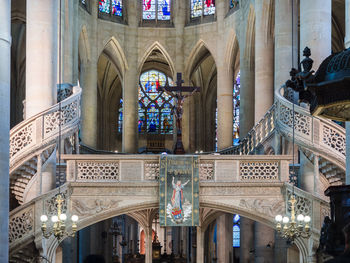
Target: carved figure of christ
176	92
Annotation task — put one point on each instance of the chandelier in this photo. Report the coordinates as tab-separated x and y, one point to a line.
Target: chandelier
59	223
293	228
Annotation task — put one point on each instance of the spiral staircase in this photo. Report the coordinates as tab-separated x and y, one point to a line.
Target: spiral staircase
319	139
33	142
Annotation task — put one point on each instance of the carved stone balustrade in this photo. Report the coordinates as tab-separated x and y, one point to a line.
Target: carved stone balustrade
130	168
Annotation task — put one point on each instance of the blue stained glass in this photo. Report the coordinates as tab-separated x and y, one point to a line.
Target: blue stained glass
163	9
117	7
155	108
236	231
233	3
149	9
104	6
120	117
209	7
196	8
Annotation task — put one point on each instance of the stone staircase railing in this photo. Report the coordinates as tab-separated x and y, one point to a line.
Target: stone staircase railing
315	137
257	135
33	141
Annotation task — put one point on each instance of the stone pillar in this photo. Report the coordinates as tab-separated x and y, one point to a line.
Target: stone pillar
347	178
89	103
224	238
347	23
264	241
130	87
264	67
315	29
224	84
284	37
41	56
281	249
5	75
200	244
306	174
148	244
247	240
316	176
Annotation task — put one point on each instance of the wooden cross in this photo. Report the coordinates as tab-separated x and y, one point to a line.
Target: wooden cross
176	92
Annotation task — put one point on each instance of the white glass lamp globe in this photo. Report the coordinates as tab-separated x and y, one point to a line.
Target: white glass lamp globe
300	217
43	218
285	220
54	219
63	217
307	219
278	218
75	218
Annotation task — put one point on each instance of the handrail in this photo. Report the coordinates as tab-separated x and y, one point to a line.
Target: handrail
42	128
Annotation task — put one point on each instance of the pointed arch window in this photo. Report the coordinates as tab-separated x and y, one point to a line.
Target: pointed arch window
236	231
111	10
156	10
155	105
200	8
236	102
120	116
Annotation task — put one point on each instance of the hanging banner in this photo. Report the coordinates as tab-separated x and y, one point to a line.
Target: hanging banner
179	191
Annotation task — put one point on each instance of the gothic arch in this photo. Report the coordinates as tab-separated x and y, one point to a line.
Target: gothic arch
199	52
157	46
232	53
116	54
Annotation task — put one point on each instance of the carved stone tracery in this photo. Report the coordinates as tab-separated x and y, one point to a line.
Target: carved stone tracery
98	171
265	171
21	224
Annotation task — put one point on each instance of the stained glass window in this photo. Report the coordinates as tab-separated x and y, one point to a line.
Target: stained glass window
233	3
120	116
236	230
111	7
155	105
156	10
236	102
202	7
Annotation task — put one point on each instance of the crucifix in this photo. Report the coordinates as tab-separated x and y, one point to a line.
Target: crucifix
176	92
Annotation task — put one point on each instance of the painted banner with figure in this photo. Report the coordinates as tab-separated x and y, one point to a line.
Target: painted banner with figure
179	191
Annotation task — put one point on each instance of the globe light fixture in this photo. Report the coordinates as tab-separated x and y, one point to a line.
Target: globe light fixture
293	226
59	223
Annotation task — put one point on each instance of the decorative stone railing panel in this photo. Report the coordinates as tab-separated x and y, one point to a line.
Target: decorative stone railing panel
97	171
42	128
21	224
206	170
151	170
256	171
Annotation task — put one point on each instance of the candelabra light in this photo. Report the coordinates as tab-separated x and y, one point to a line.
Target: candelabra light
293	226
59	223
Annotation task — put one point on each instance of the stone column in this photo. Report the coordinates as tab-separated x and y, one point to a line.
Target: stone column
280	249
264	67
347	178
5	75
316	176
284	37
200	244
315	29
148	244
225	84
306	174
41	56
224	238
264	241
247	240
130	87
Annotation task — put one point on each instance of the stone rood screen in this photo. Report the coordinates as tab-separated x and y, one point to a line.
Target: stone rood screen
179	191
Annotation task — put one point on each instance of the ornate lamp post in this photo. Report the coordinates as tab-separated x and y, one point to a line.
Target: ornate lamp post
293	226
58	220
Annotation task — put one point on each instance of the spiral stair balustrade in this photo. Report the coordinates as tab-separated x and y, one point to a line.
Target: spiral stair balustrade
33	141
315	137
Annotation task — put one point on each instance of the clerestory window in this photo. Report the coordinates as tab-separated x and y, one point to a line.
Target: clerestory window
111	10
